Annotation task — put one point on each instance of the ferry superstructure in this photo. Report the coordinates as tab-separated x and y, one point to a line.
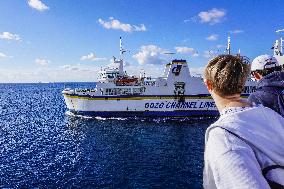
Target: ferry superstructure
175	94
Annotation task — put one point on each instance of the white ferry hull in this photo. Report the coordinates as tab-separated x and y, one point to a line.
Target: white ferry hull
148	106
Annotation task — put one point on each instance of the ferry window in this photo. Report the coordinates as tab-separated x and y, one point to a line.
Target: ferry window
125	91
118	91
110	76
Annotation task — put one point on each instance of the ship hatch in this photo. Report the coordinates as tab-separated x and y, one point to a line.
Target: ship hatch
179	91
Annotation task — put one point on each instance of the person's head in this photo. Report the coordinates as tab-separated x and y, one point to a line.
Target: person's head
264	65
225	75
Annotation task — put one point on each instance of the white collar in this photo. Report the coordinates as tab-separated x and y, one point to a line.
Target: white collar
231	110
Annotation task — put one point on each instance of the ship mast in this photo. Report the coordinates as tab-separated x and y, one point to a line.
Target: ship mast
120	48
120	61
281	41
281	45
229	45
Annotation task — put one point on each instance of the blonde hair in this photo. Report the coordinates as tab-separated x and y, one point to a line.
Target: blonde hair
228	74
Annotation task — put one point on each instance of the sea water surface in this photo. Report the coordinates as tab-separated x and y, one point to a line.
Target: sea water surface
43	147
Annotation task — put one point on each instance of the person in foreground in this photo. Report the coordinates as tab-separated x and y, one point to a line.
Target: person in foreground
243	144
270	83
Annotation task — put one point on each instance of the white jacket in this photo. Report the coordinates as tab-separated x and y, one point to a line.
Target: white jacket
230	162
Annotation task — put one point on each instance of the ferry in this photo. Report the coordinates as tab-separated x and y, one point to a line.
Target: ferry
176	93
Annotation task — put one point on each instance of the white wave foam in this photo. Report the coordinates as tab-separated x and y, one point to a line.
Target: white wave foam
68	113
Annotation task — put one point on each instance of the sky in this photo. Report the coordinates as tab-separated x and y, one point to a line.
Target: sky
70	40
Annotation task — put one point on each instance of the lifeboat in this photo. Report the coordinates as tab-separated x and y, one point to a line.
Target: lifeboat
127	81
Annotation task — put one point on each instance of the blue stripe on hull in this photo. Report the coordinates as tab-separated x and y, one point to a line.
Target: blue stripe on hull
190	113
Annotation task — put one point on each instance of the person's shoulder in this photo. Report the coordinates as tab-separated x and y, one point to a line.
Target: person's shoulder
276	76
260	96
269	113
253	97
279	74
221	142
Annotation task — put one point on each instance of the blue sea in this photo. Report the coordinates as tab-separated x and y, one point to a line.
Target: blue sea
43	147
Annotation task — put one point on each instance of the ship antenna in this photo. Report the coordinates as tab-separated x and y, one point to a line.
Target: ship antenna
229	45
120	47
122	51
239	53
121	72
281	41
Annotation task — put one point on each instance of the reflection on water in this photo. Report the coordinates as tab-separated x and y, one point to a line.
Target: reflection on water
42	147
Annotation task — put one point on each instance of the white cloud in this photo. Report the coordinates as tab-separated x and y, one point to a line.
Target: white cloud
236	31
150	54
117	25
220	46
42	62
78	68
187	20
2	55
150	69
92	57
10	36
67	73
192	19
212	37
38	5
186	50
70	67
185	40
195	54
281	30
212	16
83	72
199	71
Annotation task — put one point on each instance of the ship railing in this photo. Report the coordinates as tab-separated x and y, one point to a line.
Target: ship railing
128	84
68	91
123	91
85	90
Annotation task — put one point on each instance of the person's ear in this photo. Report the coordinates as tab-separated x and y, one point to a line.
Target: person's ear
208	84
257	76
